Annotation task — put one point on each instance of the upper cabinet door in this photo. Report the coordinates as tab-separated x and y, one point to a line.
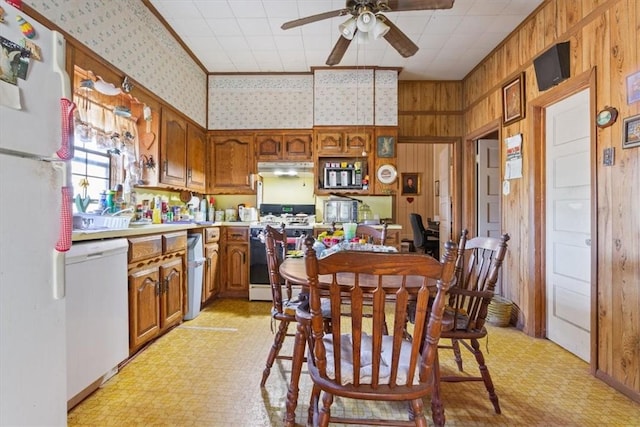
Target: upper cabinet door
231	163
173	151
269	146
297	146
196	158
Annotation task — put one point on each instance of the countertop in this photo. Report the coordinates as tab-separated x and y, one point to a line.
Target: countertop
140	230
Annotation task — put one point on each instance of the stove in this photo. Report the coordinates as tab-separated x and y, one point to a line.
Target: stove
298	220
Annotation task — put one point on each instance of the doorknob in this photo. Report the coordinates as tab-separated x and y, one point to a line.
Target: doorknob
587	242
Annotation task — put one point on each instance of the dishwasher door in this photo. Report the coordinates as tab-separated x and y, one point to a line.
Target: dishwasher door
97	314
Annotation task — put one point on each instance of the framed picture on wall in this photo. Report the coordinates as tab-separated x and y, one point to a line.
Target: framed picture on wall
386	146
631	132
410	183
633	88
513	100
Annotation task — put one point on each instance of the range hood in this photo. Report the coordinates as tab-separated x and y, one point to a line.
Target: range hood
285	169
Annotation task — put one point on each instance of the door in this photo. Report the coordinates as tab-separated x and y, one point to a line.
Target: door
171	295
443	193
568	224
488	188
173	151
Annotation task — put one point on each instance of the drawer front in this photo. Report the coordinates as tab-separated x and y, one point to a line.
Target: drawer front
237	234
141	248
211	234
173	242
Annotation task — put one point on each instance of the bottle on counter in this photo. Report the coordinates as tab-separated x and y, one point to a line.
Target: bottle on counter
157	211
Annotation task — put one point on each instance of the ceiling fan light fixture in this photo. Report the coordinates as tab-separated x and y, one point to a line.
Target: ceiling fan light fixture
380	29
348	28
366	21
363	38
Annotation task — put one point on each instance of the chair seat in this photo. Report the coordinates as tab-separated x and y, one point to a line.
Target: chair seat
289	307
366	361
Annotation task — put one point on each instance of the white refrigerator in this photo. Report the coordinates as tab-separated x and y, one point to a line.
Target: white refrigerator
34	220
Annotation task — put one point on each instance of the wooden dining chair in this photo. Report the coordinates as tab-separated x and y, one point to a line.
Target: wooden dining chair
372	234
357	360
284	307
477	269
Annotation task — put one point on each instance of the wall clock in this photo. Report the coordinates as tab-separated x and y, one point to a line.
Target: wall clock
606	117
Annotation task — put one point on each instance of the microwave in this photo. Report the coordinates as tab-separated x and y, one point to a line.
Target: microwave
337	177
340	211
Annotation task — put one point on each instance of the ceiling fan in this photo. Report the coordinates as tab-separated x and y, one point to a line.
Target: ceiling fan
367	22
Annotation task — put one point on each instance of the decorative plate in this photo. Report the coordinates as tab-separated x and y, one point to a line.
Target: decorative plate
387	174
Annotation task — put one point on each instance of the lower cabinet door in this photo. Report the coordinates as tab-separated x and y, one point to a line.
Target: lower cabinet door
171	295
144	306
211	255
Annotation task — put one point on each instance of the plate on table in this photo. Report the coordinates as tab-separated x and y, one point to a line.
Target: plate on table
294	254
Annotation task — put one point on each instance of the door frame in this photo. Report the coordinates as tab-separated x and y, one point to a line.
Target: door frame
536	298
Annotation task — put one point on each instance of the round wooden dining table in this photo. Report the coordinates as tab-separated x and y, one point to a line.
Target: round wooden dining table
294	270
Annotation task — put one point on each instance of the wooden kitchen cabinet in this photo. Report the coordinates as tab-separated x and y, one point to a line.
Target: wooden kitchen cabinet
173	149
235	262
232	162
196	159
284	146
157	285
183	148
212	255
343	141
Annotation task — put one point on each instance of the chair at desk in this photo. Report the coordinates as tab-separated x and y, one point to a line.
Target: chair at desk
421	235
477	268
356	360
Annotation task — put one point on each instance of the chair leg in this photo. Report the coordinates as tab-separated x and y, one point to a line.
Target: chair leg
275	350
455	345
437	408
486	377
324	414
296	369
313	406
416	412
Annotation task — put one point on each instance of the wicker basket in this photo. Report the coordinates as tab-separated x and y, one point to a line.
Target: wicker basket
499	311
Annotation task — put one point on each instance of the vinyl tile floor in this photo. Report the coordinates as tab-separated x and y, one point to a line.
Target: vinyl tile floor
207	372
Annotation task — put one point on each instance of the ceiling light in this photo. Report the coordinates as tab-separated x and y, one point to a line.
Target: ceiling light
348	28
363	38
380	29
366	21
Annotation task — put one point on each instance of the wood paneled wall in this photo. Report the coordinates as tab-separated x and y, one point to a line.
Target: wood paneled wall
604	38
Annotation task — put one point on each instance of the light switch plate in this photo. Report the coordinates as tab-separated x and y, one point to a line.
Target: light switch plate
608	155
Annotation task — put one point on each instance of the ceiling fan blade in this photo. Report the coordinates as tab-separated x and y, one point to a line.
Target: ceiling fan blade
313	18
338	51
401	5
399	40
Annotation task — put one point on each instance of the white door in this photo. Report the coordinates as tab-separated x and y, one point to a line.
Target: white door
443	197
488	187
568	224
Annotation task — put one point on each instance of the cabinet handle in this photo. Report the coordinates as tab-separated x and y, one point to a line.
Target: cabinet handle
166	285
158	286
209	262
166	167
189	174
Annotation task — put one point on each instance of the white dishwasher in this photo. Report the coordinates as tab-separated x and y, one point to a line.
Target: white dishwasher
97	314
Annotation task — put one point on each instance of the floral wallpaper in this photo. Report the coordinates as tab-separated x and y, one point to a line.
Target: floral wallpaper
343	97
129	36
261	101
386	98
